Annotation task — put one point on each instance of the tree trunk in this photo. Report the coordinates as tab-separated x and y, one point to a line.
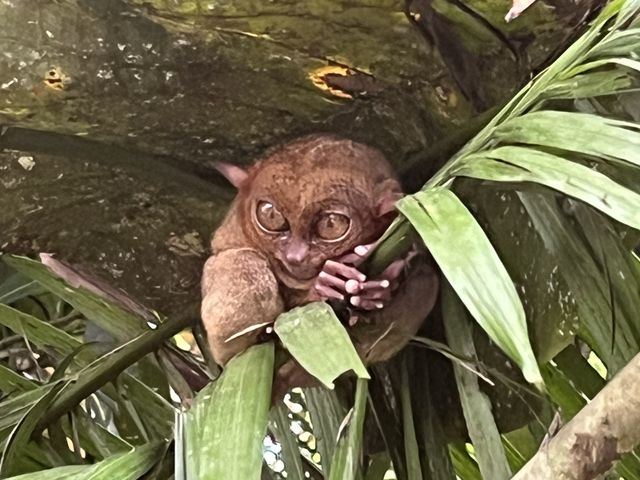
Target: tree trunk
598	435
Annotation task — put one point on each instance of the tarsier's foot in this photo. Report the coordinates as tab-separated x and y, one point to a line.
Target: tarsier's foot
340	279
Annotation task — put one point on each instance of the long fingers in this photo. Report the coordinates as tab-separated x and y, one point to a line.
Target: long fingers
359	254
375	295
340	269
365	304
325	292
332	281
354	287
327	279
342	277
393	271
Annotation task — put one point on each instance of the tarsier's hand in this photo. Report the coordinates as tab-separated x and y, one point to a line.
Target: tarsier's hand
340	279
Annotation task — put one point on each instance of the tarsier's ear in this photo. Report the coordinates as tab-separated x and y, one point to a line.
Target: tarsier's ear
390	193
387	203
235	174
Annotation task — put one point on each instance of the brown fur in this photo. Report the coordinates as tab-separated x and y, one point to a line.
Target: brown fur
301	178
239	291
249	280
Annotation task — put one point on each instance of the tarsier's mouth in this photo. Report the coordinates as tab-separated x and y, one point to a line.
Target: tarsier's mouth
299	275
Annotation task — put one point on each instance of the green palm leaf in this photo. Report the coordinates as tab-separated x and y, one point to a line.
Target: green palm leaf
227	424
474	270
575	132
331	354
346	459
475	404
517	164
128	466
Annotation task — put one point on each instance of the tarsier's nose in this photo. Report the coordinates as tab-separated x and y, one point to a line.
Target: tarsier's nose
296	251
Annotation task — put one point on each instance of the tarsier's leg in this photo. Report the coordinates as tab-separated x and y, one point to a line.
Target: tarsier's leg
291	375
239	292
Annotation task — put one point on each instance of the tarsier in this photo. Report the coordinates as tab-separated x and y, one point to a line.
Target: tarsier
305	217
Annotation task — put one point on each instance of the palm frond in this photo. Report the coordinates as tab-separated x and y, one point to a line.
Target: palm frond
470	263
127	466
476	407
345	464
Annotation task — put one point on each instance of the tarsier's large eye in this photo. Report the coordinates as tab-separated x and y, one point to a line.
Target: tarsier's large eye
270	219
333	226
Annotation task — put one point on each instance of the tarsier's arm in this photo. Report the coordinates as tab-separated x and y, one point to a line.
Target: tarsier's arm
240	295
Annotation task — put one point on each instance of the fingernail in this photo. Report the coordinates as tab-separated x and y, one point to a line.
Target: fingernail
351	286
355	301
384	283
361	250
362	277
323	274
379	305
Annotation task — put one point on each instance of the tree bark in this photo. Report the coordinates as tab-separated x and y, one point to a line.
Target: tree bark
597	436
116	110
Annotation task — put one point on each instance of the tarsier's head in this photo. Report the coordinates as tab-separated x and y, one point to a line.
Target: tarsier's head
314	199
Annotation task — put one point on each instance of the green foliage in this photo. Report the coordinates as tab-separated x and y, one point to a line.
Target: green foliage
281	428
325	360
128	466
346	458
57	405
476	406
231	415
487	157
456	241
326	414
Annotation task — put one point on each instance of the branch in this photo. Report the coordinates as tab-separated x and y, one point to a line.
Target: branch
192	175
597	436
